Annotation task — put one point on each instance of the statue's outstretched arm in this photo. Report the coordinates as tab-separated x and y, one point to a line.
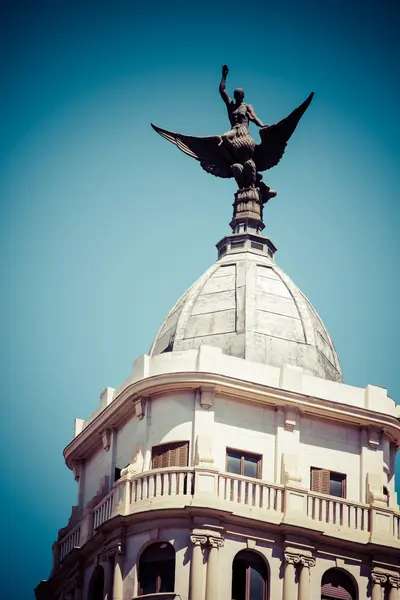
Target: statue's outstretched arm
253	117
222	86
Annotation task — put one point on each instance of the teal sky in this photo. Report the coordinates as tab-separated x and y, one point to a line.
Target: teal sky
104	224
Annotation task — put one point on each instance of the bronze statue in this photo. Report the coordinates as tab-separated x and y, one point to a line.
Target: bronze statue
235	153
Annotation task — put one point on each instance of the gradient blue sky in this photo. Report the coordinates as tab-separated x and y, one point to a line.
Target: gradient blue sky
98	240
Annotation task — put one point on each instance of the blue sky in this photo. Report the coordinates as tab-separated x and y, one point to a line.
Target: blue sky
104	224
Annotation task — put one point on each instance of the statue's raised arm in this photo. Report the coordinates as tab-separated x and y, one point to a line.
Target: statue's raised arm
222	86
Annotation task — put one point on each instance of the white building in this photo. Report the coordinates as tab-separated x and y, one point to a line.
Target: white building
233	463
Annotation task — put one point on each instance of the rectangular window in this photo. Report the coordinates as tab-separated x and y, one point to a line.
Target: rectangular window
328	482
243	463
175	454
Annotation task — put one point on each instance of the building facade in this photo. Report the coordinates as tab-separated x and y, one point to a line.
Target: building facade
234	463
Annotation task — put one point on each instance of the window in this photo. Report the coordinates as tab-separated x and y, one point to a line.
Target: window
336	584
249	577
170	455
241	463
328	482
96	585
157	569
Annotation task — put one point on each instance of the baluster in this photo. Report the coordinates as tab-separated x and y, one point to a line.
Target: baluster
244	492
151	486
145	487
235	486
221	487
352	517
257	490
173	484
139	491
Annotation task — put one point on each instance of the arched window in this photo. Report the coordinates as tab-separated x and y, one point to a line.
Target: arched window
249	577
96	585
337	585
157	569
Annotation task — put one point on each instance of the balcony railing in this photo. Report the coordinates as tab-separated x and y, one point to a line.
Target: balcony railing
103	511
250	491
70	541
337	511
178	486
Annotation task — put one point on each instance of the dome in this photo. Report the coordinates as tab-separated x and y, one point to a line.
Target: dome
246	305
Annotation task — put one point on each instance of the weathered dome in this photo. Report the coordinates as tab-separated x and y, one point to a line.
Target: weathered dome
250	308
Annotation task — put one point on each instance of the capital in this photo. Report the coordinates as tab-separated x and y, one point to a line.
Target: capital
292	559
380	578
307	561
198	540
394	581
111	551
215	542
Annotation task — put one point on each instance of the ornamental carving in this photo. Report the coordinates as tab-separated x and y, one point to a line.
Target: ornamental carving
380	578
307	561
111	551
215	542
198	540
292	559
394	581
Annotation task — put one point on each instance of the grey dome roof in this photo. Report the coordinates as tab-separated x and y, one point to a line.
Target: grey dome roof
250	308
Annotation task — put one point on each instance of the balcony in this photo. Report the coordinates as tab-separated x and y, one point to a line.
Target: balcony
243	496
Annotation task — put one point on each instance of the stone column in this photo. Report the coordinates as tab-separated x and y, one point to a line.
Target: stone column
107	566
378	580
394	583
197	567
118	580
289	584
213	573
304	585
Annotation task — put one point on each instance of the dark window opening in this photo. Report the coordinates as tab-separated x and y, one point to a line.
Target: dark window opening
337	585
249	577
157	569
241	463
96	585
328	482
117	473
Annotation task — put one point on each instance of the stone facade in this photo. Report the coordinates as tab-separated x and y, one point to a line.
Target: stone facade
233	463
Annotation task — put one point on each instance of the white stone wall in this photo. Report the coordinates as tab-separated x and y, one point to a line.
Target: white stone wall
95	469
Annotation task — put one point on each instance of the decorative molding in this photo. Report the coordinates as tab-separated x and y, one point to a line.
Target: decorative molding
291	558
374	438
290	420
227	386
380	578
204	450
106	439
140	408
137	462
394	581
207	397
215	542
251	544
307	561
111	551
198	540
77	469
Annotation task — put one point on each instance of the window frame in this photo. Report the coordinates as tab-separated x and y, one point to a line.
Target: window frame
244	454
328	473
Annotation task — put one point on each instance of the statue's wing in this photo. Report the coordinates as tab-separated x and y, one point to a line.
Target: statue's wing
204	149
275	137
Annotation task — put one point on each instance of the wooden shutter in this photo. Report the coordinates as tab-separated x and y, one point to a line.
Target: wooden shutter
320	480
170	455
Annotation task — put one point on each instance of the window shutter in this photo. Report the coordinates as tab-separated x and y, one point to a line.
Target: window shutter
183	455
325	480
316	480
170	455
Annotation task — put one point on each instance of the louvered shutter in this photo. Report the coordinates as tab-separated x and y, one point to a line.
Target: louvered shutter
316	480
183	455
170	455
320	480
325	479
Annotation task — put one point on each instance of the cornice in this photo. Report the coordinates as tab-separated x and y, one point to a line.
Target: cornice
232	388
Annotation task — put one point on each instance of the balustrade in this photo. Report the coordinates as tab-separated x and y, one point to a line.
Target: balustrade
103	511
338	511
250	492
162	482
70	541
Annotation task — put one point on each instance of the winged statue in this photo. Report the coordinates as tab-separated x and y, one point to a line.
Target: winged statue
235	153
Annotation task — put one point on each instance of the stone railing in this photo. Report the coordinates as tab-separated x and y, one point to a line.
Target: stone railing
170	481
70	541
338	511
250	491
205	486
103	511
